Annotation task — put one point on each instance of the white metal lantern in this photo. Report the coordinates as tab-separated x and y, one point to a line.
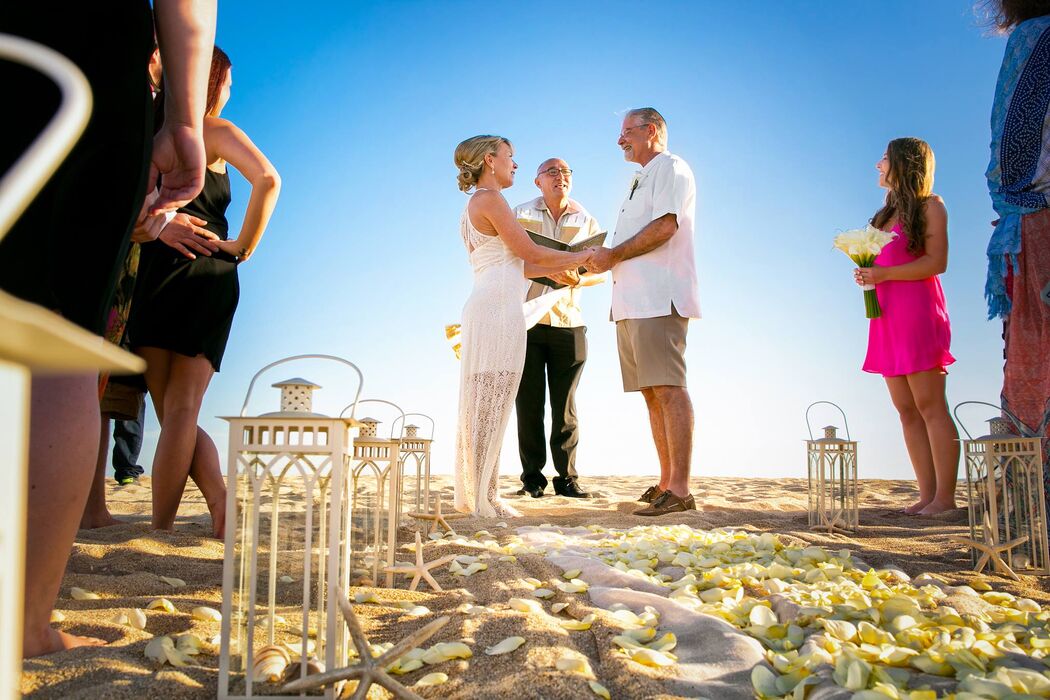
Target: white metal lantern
1006	498
415	452
375	485
286	561
832	478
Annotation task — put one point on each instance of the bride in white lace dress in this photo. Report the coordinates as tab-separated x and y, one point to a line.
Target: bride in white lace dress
493	324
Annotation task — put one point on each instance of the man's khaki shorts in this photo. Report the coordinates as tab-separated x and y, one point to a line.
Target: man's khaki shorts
652	351
121	400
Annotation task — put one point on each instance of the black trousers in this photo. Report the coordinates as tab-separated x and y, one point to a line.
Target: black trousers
554	358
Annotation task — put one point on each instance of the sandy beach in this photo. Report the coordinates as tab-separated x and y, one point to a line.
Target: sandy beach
124	564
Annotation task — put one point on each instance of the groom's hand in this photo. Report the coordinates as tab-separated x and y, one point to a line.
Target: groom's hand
602	260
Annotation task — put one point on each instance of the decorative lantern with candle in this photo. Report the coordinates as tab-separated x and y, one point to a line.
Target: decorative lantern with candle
375	483
832	478
286	561
1006	499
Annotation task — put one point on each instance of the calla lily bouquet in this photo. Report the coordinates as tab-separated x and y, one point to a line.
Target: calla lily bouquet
863	245
453	336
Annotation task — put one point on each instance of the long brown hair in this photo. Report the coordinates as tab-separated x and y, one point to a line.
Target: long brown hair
910	179
220	65
1007	14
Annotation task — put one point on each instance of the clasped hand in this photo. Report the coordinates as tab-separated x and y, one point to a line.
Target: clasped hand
601	260
585	260
569	278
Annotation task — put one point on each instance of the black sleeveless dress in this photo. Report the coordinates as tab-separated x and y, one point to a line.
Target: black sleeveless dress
185	305
67	249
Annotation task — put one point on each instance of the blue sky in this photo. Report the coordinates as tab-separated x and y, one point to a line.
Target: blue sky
782	110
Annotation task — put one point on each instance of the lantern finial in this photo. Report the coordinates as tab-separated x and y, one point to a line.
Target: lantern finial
1000	426
296	395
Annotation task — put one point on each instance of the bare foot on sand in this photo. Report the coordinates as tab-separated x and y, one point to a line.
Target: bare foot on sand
937	507
95	521
916	508
56	640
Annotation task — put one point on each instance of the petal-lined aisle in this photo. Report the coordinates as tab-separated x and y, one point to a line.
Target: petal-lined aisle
552	579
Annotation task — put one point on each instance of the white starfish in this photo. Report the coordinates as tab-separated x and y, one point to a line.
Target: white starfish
420	569
991	550
368	670
437	517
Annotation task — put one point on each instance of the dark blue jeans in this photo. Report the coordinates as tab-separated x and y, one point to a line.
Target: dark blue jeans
127	443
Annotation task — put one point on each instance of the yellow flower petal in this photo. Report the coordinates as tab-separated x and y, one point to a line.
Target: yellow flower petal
506	646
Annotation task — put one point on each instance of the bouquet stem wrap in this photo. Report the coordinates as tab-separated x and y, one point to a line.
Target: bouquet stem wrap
871	302
863	246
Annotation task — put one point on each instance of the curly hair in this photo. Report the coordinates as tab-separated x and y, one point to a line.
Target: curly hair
470	158
910	179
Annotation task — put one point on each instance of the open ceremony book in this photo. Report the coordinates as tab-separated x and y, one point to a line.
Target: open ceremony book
594	241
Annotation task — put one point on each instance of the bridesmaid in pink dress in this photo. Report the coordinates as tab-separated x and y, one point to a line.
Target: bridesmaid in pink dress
909	343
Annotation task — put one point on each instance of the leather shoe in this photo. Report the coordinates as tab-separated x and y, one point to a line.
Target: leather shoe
571	490
651	494
668	502
534	491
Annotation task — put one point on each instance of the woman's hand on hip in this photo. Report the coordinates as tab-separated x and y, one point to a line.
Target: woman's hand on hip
186	235
234	248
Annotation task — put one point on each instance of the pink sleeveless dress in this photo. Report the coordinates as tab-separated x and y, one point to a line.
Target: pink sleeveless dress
913	334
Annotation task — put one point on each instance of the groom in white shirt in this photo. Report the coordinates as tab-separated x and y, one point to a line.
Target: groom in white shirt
654	295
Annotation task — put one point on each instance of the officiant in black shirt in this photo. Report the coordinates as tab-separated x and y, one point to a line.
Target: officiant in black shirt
557	340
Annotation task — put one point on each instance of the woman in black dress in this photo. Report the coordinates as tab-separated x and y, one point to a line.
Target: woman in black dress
183	309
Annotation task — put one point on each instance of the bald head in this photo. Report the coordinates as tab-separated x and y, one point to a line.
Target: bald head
555	187
551	163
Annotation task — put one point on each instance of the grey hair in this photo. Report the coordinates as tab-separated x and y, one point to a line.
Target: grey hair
648	115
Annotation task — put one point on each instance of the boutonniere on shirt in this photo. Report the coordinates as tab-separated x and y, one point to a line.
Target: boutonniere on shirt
634	184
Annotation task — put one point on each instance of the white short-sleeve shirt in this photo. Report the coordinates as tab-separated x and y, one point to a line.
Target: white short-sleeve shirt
647	286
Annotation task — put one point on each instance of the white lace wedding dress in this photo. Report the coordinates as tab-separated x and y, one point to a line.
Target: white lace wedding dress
493	354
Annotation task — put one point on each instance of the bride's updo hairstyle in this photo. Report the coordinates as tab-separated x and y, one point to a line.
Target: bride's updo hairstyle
470	158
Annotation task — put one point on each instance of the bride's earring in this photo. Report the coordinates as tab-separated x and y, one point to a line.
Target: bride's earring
493	170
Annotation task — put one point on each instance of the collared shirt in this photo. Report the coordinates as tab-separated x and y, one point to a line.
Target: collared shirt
576	224
647	286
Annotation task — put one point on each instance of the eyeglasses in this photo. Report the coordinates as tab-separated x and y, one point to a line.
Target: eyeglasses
553	172
636	126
